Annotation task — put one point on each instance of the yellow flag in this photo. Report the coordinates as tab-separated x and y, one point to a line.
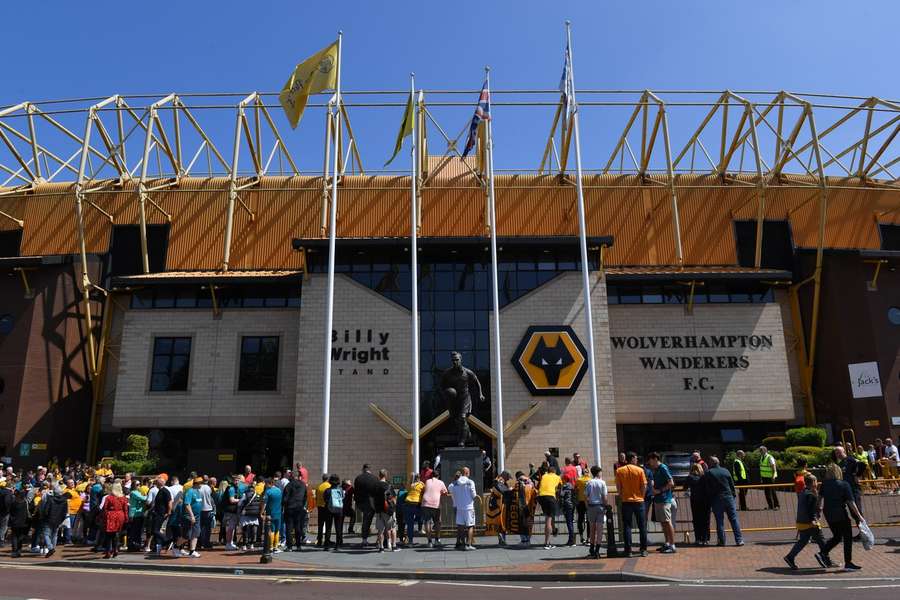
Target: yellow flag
316	73
406	127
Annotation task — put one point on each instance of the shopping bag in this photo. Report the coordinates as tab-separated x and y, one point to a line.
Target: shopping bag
866	535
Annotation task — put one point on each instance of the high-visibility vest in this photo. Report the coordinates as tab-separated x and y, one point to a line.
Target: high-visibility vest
766	468
738	470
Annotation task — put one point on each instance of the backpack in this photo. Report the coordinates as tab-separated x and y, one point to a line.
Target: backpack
336	500
390	502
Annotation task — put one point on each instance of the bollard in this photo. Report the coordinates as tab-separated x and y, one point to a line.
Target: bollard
611	550
266	557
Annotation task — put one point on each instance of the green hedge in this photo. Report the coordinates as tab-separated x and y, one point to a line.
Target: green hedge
139	444
135	458
775	442
805	436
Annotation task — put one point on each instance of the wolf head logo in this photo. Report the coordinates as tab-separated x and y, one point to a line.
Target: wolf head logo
551	359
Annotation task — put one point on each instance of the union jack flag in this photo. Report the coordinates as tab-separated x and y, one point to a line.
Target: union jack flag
482	113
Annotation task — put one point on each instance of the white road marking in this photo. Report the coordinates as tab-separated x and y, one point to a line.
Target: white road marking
248	576
409	583
870	587
488	585
755	587
602	587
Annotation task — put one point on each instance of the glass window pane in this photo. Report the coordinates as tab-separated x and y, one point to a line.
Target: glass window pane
162	345
159	383
444	342
443	319
161	363
465	340
164	299
718	293
527	281
250	345
181	345
465	319
652	295
630	295
142	299
426	340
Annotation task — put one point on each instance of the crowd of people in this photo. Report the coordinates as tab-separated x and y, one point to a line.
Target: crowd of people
78	504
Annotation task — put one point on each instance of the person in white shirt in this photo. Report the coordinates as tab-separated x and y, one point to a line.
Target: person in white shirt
890	452
595	492
463	492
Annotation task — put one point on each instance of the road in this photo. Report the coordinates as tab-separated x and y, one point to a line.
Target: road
63	583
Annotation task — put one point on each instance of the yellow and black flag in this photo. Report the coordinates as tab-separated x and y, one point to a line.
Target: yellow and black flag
316	73
406	127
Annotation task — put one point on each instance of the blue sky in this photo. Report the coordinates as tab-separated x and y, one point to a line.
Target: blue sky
73	49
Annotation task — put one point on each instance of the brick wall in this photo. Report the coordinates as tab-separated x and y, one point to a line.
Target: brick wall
357	435
562	421
212	399
760	391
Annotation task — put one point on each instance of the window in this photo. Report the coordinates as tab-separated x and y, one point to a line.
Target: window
228	296
171	359
259	363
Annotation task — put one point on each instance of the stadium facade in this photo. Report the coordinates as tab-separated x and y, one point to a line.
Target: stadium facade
710	291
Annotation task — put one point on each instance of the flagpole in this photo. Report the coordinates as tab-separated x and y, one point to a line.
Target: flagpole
497	385
585	268
329	294
414	277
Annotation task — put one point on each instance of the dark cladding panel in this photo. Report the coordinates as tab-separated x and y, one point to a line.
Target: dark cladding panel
125	249
890	237
10	242
777	244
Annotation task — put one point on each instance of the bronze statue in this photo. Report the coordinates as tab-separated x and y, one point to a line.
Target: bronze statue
458	386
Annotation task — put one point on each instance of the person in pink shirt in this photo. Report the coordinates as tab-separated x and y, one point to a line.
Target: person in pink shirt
248	475
431	509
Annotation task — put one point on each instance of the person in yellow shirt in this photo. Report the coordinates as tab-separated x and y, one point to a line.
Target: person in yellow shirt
548	488
581	503
412	510
321	509
74	501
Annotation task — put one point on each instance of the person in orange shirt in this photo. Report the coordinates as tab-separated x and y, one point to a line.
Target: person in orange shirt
631	483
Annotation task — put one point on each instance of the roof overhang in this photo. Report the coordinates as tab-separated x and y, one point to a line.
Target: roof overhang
20	262
730	273
546	242
204	277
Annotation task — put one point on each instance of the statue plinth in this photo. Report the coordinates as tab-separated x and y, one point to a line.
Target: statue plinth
454	458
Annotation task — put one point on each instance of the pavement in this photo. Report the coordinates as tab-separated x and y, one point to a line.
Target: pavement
760	560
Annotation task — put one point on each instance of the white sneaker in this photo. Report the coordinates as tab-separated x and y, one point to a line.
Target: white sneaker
185	553
230	547
175	552
194	554
395	549
277	551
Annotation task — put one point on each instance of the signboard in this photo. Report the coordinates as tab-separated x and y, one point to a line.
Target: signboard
226	458
864	380
895	421
38	446
872	423
24	449
551	360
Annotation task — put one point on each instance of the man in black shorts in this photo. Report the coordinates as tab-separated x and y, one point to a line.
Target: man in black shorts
431	509
548	488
